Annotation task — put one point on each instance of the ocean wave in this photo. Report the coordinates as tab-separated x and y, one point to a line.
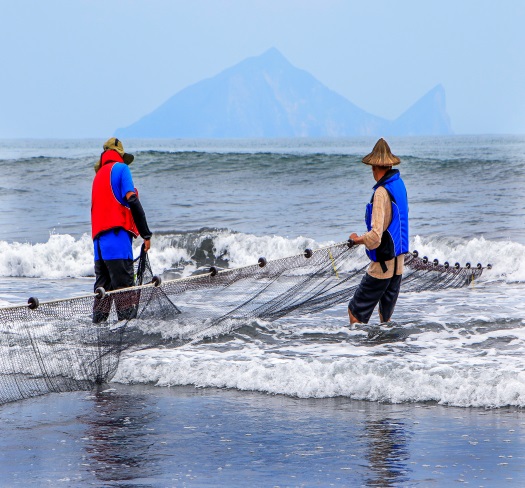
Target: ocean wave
473	147
388	379
182	253
506	257
62	256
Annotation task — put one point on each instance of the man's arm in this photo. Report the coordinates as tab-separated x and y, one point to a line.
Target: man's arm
372	238
139	216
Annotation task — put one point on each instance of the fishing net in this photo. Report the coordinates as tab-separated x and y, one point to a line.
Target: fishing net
73	344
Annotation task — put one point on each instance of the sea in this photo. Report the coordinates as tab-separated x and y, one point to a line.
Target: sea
304	400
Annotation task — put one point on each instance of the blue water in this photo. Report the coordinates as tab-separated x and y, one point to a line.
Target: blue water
303	401
458	186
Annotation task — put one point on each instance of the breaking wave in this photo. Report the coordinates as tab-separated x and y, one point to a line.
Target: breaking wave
182	253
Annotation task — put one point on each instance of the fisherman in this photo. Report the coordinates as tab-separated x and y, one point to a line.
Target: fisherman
117	217
386	240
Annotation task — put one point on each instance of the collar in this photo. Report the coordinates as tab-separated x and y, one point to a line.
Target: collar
390	174
110	156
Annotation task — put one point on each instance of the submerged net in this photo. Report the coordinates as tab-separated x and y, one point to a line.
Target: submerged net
56	347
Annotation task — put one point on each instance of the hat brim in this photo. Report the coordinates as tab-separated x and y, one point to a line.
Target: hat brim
128	158
382	164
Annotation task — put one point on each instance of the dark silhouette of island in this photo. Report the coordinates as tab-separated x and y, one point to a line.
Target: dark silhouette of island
266	96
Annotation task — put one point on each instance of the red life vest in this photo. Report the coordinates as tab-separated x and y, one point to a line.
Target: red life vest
106	211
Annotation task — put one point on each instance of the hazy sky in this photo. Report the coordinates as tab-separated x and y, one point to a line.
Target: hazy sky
82	68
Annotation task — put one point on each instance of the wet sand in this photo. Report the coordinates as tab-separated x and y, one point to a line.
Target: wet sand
183	436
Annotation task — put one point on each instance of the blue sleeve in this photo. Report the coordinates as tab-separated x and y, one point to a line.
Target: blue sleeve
121	182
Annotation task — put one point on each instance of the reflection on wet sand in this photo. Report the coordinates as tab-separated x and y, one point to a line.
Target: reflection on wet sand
120	437
387	452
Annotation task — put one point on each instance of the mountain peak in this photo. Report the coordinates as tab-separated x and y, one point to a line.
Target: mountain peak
269	58
428	116
266	96
272	53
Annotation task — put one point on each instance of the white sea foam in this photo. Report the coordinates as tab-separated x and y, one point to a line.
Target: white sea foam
63	256
163	255
245	249
415	378
506	257
464	350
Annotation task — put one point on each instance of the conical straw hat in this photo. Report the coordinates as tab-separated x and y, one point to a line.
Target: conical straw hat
381	155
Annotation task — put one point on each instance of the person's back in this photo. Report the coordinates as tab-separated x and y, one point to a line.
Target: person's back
117	217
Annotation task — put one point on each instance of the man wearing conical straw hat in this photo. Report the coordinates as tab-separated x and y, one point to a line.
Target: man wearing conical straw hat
386	239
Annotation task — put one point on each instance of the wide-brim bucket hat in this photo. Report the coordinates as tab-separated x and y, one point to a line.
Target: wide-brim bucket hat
114	144
381	155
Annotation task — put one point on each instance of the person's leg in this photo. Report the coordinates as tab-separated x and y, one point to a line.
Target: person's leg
121	273
388	301
365	299
353	320
102	279
122	276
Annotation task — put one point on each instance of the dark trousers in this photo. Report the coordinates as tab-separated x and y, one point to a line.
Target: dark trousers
372	291
115	274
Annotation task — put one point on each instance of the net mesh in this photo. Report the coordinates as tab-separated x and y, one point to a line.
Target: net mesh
56	346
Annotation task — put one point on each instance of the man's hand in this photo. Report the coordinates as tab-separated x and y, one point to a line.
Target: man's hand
356	238
147	244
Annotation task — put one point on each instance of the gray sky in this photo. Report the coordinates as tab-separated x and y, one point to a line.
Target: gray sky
82	68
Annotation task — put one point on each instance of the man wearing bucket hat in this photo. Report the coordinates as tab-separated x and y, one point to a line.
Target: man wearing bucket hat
386	239
117	217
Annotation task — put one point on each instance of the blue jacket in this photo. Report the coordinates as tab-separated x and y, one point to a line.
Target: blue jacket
394	240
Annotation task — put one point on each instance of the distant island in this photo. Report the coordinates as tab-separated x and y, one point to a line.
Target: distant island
266	96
